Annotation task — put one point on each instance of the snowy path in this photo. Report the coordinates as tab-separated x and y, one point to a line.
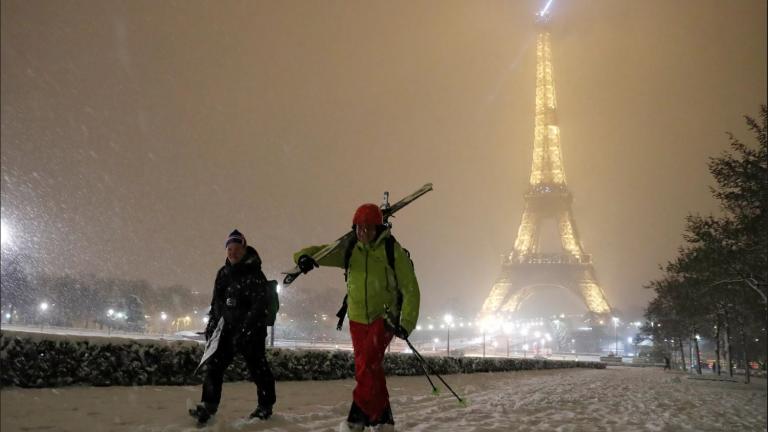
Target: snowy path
615	399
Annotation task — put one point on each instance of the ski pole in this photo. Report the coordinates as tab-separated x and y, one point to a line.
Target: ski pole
424	365
435	391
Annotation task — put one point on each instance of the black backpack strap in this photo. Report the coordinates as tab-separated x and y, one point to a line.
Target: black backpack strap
389	248
341	314
347	257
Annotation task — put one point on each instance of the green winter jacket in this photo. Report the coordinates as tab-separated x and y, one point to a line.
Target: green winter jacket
371	283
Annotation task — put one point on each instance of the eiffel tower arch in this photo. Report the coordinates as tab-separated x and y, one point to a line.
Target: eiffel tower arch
527	268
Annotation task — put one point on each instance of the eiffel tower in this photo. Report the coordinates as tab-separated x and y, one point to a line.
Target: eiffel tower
525	268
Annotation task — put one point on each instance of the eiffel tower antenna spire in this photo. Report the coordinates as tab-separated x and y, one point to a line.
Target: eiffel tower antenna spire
526	268
543	13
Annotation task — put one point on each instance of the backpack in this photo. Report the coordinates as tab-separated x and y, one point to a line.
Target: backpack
389	248
273	302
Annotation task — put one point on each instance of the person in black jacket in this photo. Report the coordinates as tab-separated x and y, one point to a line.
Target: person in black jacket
240	297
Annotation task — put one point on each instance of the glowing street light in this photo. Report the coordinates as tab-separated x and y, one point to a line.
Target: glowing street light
163	316
448	319
43	308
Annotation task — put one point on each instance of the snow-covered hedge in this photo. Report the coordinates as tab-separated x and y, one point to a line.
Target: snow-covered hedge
59	361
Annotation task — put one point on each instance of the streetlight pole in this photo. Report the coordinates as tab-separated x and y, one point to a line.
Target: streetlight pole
43	309
616	335
163	317
524	333
448	318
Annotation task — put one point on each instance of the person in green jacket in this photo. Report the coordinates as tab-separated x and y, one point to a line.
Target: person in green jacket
375	284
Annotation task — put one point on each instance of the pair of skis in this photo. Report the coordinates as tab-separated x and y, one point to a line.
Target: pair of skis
342	242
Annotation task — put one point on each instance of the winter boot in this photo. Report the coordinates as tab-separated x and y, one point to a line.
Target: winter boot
262	412
346	426
385	423
356	420
202	413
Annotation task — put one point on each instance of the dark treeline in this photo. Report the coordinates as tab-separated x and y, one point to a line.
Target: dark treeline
714	290
87	300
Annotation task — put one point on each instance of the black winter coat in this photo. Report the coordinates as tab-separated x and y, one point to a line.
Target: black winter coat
239	296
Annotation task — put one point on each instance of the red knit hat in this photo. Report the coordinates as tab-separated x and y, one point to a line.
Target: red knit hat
368	214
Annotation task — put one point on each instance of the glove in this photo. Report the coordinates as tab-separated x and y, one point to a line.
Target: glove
400	332
306	264
390	322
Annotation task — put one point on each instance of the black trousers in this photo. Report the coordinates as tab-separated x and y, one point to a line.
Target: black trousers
253	350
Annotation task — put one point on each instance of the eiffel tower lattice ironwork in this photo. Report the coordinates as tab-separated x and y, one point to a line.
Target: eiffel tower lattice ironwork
525	268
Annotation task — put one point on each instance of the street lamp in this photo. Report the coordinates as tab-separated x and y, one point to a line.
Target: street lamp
524	333
508	328
163	317
616	335
43	308
448	319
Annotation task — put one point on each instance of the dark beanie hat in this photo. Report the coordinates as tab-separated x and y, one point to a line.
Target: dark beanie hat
235	237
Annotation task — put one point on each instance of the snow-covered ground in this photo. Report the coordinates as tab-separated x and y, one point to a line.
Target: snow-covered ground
614	399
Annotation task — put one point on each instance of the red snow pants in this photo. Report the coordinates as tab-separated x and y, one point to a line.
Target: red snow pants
370	342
